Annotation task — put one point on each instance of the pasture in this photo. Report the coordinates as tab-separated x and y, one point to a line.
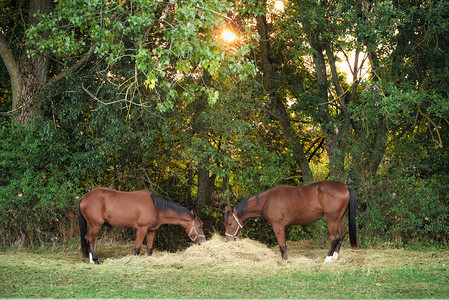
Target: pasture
216	269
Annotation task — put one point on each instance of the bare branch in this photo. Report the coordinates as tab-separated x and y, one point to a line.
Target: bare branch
73	68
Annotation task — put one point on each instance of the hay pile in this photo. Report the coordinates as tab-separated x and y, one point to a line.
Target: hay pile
217	255
237	252
246	256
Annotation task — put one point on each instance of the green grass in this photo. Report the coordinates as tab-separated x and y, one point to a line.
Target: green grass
365	273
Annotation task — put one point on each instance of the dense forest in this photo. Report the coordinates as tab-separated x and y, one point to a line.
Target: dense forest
132	95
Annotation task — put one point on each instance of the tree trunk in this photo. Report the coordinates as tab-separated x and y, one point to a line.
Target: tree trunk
280	111
336	136
28	76
189	184
28	102
206	184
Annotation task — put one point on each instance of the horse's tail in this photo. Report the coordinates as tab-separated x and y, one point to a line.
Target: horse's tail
83	232
351	216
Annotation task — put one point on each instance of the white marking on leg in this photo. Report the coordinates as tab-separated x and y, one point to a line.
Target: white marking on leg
328	259
90	258
335	256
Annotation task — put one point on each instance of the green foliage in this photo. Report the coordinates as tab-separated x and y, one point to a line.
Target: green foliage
407	202
163	97
406	210
37	190
171	44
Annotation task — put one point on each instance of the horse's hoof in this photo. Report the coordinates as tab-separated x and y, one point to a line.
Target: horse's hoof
328	259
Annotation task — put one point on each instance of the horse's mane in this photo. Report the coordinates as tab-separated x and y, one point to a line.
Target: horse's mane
242	206
163	204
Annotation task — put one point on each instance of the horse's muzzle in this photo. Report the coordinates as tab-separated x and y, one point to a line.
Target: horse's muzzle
201	240
230	238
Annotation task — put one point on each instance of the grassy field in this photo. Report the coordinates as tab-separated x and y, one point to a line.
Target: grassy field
216	269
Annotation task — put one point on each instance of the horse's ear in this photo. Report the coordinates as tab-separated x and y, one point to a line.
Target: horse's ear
192	212
226	209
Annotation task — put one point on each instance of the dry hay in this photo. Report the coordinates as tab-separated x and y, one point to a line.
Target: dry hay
246	255
242	250
244	258
215	253
239	257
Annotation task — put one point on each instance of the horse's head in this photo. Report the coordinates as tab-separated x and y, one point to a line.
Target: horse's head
195	230
232	224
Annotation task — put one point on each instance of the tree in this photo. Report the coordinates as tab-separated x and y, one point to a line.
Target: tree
274	92
27	75
258	18
169	44
145	95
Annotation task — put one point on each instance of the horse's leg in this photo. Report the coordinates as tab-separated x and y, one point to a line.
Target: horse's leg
341	233
141	232
92	239
279	231
150	240
335	239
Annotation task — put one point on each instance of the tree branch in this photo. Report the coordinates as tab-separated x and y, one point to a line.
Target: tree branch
334	74
73	68
12	67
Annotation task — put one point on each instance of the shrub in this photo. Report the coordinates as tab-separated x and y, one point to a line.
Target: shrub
36	190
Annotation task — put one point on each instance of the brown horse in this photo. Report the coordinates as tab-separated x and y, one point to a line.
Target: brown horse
286	205
139	210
